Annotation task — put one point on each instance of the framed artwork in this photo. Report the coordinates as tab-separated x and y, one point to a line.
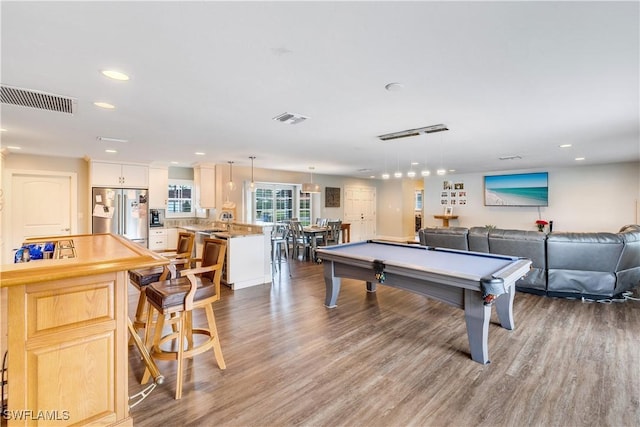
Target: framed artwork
331	197
448	210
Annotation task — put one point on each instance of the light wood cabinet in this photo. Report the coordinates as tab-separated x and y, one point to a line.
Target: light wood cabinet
68	340
104	174
158	187
204	177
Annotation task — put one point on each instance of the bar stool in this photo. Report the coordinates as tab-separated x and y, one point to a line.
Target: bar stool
175	300
141	278
279	240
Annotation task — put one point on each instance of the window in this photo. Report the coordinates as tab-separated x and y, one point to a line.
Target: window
180	198
419	195
280	202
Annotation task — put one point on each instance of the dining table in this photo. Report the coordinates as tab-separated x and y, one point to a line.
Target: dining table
312	232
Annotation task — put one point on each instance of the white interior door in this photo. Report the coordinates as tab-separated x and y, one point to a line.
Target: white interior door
41	205
360	212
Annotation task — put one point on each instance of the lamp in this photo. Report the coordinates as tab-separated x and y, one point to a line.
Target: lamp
252	186
231	185
411	173
310	187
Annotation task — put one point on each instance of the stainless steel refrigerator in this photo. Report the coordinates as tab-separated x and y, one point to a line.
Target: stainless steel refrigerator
122	211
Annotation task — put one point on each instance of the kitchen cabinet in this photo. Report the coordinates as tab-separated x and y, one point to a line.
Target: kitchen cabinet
204	177
158	187
158	239
104	174
245	261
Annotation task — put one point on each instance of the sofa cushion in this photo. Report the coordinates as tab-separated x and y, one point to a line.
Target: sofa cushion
583	263
525	244
478	239
449	237
628	268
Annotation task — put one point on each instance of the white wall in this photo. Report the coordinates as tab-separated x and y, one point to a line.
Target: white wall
581	198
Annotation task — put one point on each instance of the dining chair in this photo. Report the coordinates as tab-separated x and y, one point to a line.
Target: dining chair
174	300
333	234
299	240
180	258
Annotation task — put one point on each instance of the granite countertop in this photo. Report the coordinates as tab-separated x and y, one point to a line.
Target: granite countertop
233	234
199	227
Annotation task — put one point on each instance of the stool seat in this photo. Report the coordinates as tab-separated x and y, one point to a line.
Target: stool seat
145	276
171	293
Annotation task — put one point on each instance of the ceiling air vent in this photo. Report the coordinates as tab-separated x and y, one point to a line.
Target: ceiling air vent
290	118
37	99
412	132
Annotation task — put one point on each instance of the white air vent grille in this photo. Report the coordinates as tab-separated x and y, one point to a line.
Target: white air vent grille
37	99
290	118
412	132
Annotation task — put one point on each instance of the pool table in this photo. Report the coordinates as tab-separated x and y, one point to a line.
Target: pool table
471	281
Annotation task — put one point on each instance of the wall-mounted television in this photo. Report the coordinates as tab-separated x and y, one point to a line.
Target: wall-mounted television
524	189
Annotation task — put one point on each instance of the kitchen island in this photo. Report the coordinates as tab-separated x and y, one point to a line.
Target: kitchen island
248	260
68	341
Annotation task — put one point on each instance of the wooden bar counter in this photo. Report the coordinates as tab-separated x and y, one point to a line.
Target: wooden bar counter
67	335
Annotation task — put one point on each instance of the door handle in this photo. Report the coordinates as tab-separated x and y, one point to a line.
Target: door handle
66	229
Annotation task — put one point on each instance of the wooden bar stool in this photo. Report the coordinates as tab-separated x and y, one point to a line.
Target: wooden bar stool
174	300
141	278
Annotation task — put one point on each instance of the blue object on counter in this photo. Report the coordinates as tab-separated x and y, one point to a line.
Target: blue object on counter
34	251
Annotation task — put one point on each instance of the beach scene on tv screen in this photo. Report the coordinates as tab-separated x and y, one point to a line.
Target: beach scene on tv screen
528	189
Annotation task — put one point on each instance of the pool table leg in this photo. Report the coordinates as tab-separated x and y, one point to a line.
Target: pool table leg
332	284
477	316
504	308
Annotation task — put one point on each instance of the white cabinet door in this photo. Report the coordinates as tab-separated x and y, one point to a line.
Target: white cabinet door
158	187
119	175
135	176
205	182
157	239
106	174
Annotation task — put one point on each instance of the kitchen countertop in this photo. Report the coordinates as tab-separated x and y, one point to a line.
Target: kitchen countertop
233	234
198	227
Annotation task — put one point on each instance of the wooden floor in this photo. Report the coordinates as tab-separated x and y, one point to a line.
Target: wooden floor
392	358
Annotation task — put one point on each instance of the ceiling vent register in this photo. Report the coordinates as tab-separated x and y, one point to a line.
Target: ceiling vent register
413	132
290	118
37	99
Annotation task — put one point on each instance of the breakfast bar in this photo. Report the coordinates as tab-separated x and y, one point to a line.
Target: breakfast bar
67	343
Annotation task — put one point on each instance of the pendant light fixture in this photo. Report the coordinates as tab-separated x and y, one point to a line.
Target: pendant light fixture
252	185
310	187
231	185
397	173
411	173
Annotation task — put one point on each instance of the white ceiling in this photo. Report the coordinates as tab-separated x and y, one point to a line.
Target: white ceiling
507	78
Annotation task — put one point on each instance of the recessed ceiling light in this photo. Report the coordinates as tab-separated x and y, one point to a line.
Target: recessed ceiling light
14	147
175	163
414	163
199	153
110	151
109	139
105	105
115	75
579	158
565	145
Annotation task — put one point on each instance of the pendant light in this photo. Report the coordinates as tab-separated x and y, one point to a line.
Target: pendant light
310	187
252	186
411	173
397	173
231	185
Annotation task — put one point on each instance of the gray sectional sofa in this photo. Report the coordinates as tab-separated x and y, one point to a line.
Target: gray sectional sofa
590	265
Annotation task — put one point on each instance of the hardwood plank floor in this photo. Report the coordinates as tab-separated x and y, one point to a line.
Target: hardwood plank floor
392	358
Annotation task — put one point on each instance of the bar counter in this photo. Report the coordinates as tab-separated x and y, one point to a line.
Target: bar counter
68	337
